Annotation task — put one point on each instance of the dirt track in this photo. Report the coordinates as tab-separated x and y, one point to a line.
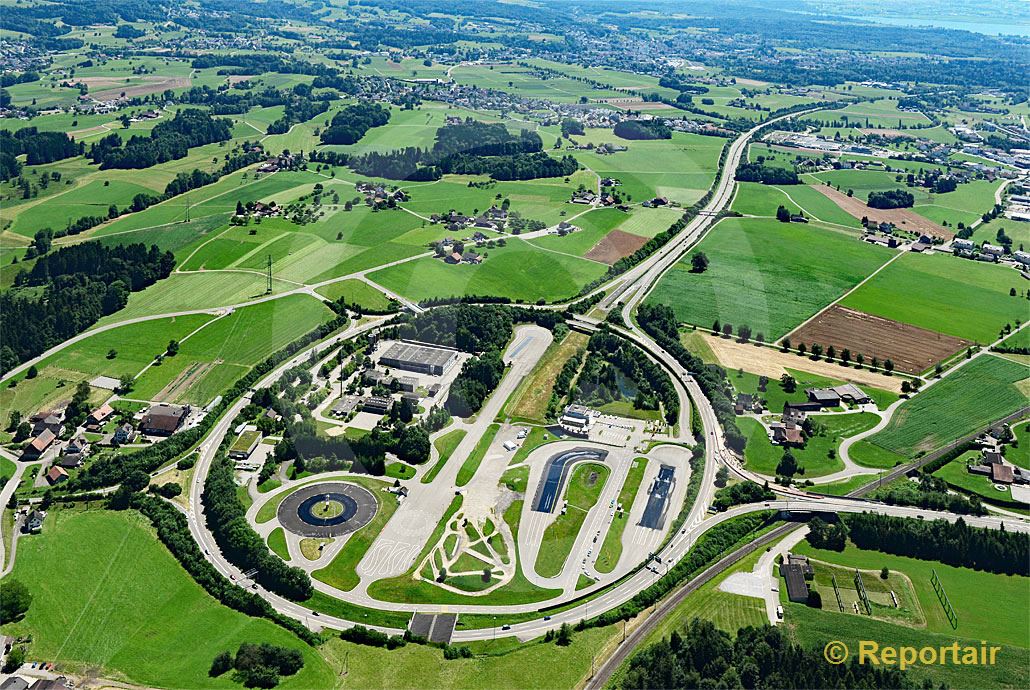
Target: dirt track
903	218
767	361
911	349
614	246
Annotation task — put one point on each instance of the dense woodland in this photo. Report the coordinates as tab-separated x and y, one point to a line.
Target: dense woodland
954	543
611	356
469	148
39	147
169	140
353	121
703	656
642	129
766	174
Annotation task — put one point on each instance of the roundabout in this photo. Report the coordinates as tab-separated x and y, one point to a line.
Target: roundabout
328	509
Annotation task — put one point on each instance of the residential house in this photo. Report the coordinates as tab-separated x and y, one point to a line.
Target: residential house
51	420
71	460
992	249
56	475
99	417
77	445
34	521
125	433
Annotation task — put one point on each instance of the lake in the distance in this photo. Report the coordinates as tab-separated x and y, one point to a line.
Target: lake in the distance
981	27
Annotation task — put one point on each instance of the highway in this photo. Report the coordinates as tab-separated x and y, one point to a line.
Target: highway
626	292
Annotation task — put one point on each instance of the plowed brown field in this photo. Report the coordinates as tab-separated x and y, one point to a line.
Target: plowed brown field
615	245
911	349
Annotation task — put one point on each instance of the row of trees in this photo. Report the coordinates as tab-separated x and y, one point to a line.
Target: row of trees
226	517
660	323
953	543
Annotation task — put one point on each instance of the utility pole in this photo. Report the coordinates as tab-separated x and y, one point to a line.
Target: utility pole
268	285
187	207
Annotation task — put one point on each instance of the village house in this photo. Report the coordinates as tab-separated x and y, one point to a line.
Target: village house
38	445
125	433
34	522
56	475
51	420
98	417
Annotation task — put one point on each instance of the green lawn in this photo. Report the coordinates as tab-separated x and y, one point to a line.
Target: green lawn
966	299
277	542
132	612
445	446
957	476
611	550
356	292
534	664
762	456
471	464
519	271
979	393
216	356
583	487
766	274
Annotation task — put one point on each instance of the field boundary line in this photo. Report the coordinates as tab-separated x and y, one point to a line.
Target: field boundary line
844	296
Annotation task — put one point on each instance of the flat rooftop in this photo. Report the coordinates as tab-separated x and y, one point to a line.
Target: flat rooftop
419	354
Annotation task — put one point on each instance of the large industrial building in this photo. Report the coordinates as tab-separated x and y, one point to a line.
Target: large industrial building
419	358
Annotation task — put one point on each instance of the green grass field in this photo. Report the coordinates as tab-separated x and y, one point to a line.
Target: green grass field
214	357
979	393
530	400
1004	625
768	275
762	456
519	271
356	292
135	345
132	612
758	199
584	485
611	549
966	299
